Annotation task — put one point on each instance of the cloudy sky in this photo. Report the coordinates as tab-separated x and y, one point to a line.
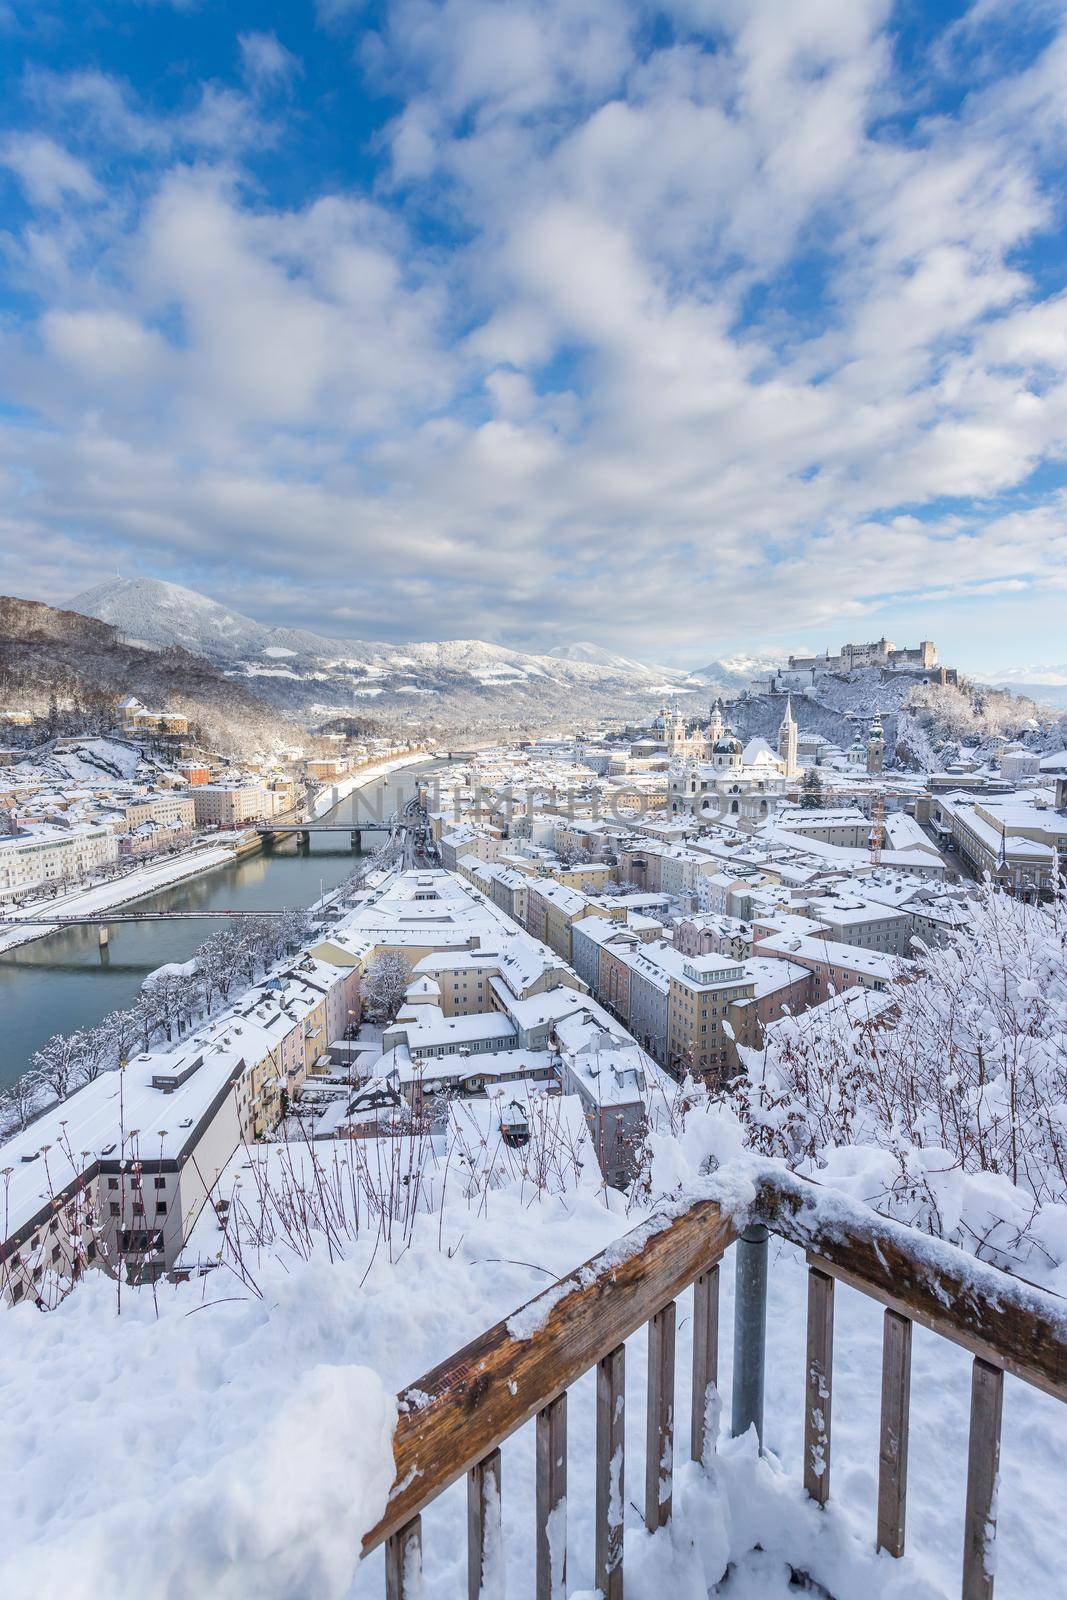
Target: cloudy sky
686	328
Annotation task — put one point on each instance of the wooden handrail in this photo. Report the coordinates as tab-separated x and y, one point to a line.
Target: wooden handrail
1006	1321
453	1419
454	1416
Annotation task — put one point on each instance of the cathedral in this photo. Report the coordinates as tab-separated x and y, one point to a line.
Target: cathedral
715	776
714	743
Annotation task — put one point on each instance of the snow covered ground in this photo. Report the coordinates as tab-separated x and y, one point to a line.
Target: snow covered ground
233	1440
93	762
122	891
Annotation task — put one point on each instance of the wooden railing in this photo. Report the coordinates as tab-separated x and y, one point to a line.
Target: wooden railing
453	1420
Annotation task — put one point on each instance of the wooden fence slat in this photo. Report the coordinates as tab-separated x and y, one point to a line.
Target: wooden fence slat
983	1465
551	1581
485	1548
1009	1323
403	1562
610	1472
820	1373
893	1432
705	1357
659	1422
453	1416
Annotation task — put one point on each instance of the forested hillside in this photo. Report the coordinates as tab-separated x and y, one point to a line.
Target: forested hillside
83	666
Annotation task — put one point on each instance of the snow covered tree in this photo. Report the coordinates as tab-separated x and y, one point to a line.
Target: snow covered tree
250	950
18	1102
384	982
811	791
151	1014
55	1064
294	928
95	1053
120	1029
217	963
954	1086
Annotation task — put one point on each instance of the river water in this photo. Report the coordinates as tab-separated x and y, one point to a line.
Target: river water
62	982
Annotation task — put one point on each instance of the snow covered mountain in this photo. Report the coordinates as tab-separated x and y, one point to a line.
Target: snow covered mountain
148	611
624	666
1046	684
310	673
87	666
739	672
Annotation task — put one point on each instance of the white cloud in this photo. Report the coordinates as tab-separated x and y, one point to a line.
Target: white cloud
105	347
48	173
718	343
97	108
265	59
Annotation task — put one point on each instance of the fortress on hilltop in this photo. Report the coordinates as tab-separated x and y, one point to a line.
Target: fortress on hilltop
880	653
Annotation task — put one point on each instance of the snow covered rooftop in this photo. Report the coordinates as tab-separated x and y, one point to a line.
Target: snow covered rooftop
832	954
154	1109
425	1027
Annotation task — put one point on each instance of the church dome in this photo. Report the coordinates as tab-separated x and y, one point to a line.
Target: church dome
728	745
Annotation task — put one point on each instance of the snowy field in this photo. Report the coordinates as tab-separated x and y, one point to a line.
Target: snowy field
246	1444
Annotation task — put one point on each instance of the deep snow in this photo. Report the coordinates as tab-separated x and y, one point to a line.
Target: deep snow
236	1443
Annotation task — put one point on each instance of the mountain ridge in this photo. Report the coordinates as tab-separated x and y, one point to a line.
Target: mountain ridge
304	672
48	652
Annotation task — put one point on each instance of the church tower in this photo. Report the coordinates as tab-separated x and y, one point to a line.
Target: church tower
716	726
876	745
674	732
787	739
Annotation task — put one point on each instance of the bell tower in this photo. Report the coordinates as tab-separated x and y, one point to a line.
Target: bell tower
787	739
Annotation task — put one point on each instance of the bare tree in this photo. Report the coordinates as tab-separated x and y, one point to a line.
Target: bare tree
18	1102
55	1064
384	983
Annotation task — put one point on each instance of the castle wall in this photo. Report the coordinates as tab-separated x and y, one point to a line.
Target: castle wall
876	653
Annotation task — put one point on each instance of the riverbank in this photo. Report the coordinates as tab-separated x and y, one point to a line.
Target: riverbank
333	793
67	981
135	885
147	880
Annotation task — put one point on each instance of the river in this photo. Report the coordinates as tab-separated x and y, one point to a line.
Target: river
62	982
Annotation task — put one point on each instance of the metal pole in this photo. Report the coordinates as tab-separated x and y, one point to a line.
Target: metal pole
750	1332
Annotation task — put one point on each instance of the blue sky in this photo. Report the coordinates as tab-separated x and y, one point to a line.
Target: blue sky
691	329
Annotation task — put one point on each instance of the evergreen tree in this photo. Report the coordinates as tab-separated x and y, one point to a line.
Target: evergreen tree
811	795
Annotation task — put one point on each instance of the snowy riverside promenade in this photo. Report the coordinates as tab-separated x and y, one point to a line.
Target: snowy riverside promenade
131	886
333	793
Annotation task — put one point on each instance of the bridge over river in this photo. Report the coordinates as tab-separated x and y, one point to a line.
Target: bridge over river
67	980
303	831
